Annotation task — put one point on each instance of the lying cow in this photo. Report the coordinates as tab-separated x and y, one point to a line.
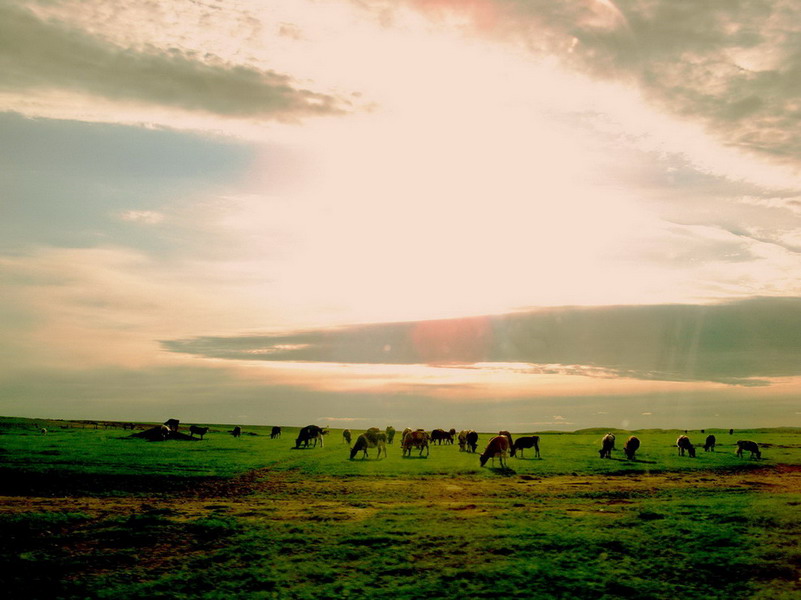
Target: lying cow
607	445
415	439
372	438
526	441
752	447
683	443
498	447
201	431
631	447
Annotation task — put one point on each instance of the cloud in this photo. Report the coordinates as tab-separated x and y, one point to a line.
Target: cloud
149	217
733	67
744	342
43	56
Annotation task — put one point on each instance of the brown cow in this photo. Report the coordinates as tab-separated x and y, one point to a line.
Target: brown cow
511	441
372	438
497	447
415	439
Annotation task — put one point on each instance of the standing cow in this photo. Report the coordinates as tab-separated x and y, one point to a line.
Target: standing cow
414	439
236	431
346	436
310	433
195	429
275	433
498	447
683	443
750	446
372	438
607	445
390	434
631	447
709	444
526	441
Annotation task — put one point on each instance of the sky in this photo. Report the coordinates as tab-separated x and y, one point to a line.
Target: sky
487	214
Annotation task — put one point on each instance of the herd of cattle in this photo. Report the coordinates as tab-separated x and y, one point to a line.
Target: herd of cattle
500	446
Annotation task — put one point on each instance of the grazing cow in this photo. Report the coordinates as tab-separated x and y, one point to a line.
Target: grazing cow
275	433
390	434
752	447
415	439
346	436
709	444
472	441
439	436
683	443
631	447
172	424
372	438
462	439
201	431
607	445
237	431
308	434
511	441
527	441
498	446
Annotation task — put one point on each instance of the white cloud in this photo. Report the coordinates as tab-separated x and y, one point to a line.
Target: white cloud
149	217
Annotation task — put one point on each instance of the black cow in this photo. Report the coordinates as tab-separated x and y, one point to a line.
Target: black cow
236	431
275	433
683	443
709	444
631	447
472	440
308	434
201	431
346	436
752	447
440	435
527	441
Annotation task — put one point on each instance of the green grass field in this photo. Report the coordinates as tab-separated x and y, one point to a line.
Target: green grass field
90	512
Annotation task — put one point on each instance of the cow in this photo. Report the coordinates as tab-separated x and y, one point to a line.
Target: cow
683	443
709	444
372	438
462	440
390	434
346	436
607	445
508	436
451	435
415	439
499	447
165	431
752	447
201	431
308	434
172	424
472	441
631	446
527	441
237	431
275	433
439	436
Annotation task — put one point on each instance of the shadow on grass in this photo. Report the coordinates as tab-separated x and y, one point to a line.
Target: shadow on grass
507	472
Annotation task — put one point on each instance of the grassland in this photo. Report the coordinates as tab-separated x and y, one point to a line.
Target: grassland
89	512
